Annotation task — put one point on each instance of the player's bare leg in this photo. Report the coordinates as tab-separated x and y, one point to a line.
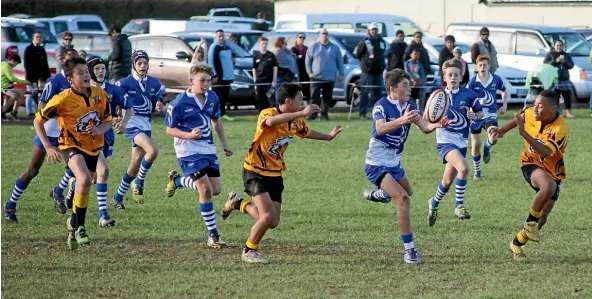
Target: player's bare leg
208	213
101	177
476	153
268	217
151	152
128	177
77	234
459	163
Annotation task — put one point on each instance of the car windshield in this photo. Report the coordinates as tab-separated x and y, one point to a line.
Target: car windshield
247	40
349	42
463	47
237	51
92	43
574	43
408	27
136	27
25	34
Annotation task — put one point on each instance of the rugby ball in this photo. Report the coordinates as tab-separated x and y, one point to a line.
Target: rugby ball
436	106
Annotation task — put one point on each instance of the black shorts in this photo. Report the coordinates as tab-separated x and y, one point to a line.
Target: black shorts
210	171
91	161
527	171
485	125
256	184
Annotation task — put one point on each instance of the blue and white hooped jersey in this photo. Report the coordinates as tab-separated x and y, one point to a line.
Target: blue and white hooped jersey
143	96
386	150
55	85
487	93
460	101
186	113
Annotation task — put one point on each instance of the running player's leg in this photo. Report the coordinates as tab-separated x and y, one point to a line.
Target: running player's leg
206	207
57	192
547	208
77	234
102	178
22	182
268	218
476	128
443	187
490	140
401	199
457	159
151	152
128	177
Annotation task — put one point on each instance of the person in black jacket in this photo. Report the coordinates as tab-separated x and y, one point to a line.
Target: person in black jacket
120	59
300	50
446	53
261	25
265	71
36	68
563	62
424	57
370	52
396	52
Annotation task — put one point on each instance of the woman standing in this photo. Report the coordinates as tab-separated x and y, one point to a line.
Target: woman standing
563	62
299	50
287	67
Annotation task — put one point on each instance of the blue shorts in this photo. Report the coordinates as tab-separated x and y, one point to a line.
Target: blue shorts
197	166
131	133
375	174
37	142
109	143
445	148
477	125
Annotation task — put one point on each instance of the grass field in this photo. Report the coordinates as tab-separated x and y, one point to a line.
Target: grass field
330	242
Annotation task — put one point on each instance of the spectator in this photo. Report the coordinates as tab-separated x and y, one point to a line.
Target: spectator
324	62
486	48
82	54
418	78
120	59
265	71
287	66
464	70
371	55
66	44
220	57
563	62
396	52
299	50
446	54
233	38
424	57
199	51
13	94
36	68
261	25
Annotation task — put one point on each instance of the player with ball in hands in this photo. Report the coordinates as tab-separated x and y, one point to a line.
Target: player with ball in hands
392	119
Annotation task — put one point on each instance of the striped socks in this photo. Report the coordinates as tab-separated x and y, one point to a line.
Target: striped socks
461	187
209	216
477	164
59	189
440	193
123	187
102	199
185	181
144	168
17	191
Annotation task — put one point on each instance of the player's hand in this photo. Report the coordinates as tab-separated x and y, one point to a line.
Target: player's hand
227	151
503	109
119	127
519	123
159	106
194	134
336	131
494	133
53	154
310	109
411	116
444	122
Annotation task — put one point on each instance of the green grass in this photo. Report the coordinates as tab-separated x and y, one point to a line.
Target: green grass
330	242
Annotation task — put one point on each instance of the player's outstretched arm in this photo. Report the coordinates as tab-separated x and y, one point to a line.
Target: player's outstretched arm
219	128
427	127
322	136
384	127
288	117
540	148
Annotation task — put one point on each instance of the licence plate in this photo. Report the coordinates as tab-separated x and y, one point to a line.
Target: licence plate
522	92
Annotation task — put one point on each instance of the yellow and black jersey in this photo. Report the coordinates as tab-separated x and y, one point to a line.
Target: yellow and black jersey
74	113
266	154
554	136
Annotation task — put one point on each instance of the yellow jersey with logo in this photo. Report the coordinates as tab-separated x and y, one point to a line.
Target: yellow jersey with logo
266	154
554	136
75	112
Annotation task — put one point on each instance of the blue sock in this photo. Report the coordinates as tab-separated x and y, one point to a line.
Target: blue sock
440	193
461	187
487	143
209	216
123	187
102	199
379	195
59	189
408	241
144	167
17	191
185	181
477	163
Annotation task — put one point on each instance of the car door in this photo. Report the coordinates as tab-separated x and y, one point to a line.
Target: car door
175	72
530	50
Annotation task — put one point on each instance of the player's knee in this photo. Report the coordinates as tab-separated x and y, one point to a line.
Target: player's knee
151	154
463	170
205	192
548	190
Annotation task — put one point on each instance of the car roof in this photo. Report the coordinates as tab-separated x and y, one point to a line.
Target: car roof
86	33
542	28
151	35
20	22
335	32
71	17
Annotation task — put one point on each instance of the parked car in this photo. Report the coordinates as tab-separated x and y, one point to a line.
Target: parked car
63	23
141	26
17	34
170	59
230	20
524	46
226	12
93	42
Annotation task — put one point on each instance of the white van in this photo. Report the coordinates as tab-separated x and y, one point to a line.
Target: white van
387	24
524	46
64	23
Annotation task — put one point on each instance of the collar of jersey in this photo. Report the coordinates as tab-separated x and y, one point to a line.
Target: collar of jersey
63	73
138	77
452	91
486	83
193	96
397	103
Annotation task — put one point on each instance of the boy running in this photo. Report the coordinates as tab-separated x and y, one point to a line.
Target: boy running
545	133
190	119
452	141
393	116
485	85
264	164
84	115
144	92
